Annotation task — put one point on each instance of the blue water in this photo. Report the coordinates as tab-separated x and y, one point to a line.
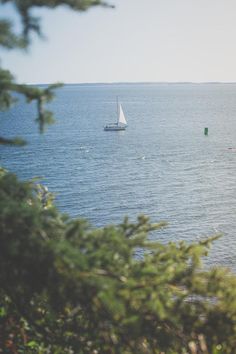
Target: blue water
162	165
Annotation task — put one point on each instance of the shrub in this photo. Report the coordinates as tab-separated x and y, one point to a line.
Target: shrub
69	288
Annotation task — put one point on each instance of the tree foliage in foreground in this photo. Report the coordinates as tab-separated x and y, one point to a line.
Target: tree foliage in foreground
9	40
69	288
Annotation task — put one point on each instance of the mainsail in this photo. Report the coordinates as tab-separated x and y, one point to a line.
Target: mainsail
121	118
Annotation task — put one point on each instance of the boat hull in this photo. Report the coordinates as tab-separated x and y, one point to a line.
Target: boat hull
114	128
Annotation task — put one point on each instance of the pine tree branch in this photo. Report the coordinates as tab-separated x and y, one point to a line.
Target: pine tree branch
32	24
16	141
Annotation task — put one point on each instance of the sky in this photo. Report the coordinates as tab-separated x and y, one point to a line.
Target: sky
138	41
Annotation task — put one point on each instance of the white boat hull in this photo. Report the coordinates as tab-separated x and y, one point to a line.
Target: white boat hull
114	128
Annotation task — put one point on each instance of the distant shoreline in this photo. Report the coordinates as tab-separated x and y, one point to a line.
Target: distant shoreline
139	83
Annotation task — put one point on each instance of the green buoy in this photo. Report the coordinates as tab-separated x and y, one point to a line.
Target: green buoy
206	131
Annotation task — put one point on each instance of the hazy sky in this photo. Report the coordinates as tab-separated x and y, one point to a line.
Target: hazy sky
140	40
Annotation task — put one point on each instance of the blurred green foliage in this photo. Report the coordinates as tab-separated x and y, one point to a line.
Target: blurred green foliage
9	39
69	288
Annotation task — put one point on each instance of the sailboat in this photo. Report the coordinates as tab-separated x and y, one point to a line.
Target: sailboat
121	123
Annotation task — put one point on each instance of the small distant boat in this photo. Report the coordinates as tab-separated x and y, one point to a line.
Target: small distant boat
121	123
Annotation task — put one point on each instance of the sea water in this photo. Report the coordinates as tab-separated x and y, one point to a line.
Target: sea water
162	165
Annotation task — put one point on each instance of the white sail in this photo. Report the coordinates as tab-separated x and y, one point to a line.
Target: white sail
121	119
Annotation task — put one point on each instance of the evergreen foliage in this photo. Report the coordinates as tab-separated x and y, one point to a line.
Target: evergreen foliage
11	40
69	288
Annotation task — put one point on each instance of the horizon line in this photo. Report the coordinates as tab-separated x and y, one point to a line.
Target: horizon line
139	82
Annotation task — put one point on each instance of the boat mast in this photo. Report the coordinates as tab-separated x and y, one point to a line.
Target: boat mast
117	108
